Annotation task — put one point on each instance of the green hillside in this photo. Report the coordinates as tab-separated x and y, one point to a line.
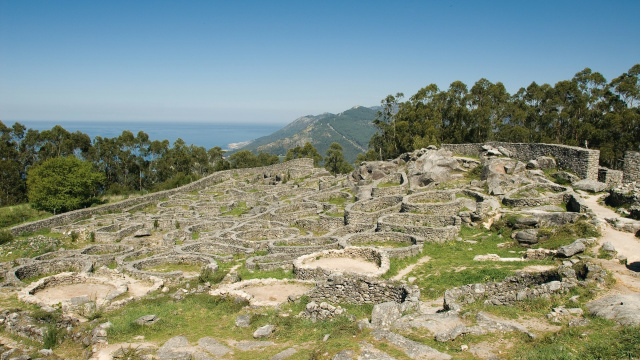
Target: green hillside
352	129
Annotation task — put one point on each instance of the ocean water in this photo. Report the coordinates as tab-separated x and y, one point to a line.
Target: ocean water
206	135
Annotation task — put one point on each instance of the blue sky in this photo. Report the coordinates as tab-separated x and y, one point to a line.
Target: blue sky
273	61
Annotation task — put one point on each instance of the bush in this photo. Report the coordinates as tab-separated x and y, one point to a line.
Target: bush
74	236
92	236
51	337
63	184
5	236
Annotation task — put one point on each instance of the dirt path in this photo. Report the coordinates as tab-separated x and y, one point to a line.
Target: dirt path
408	269
67	291
625	243
276	293
356	265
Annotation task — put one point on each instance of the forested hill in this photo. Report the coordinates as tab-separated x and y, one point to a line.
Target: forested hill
352	129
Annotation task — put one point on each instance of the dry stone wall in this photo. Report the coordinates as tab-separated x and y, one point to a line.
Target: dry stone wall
631	167
580	161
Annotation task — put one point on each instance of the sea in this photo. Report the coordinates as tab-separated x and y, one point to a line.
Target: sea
207	135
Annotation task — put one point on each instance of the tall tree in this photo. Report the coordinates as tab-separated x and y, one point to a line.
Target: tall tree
334	162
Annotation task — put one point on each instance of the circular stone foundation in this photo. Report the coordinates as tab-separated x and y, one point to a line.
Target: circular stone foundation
354	261
72	289
265	292
171	266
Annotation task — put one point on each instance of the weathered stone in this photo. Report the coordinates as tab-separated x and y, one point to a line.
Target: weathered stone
248	345
264	331
284	354
624	309
176	348
384	315
528	236
571	249
243	321
147	320
532	165
413	349
608	246
344	355
213	346
590	185
545	162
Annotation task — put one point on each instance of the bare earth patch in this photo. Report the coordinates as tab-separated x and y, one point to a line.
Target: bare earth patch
276	293
65	292
538	268
408	269
356	265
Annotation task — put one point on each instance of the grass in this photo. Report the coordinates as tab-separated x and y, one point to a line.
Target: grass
236	211
388	184
452	264
203	315
338	201
601	339
384	244
169	267
17	214
246	274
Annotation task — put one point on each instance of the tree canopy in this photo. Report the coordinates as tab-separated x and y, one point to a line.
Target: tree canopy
307	151
583	111
334	162
62	184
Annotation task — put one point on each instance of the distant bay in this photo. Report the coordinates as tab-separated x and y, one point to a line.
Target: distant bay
202	134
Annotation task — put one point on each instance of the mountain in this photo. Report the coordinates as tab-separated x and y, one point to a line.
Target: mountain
351	128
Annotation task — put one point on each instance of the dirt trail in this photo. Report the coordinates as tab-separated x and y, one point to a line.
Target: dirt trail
408	269
625	243
356	265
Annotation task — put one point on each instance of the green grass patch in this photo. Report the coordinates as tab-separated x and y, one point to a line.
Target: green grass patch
338	201
246	274
388	184
18	214
452	264
169	267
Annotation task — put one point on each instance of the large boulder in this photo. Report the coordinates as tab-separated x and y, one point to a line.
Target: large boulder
571	249
433	166
590	186
546	162
624	309
527	237
385	314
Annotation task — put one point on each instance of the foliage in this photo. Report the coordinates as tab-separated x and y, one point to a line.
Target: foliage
5	236
335	162
63	184
583	111
308	151
17	214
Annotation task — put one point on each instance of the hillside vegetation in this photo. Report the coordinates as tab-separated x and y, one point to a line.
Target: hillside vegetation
352	129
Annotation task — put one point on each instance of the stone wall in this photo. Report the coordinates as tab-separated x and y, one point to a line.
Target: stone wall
432	228
631	167
519	287
296	168
580	161
344	289
610	177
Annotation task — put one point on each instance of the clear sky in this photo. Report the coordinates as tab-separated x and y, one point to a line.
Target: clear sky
273	61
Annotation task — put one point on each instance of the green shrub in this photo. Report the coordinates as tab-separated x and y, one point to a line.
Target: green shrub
156	224
74	236
177	225
210	276
51	337
5	236
92	236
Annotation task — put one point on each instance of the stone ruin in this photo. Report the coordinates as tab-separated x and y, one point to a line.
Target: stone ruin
297	217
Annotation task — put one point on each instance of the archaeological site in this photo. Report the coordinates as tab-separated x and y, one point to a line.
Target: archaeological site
467	251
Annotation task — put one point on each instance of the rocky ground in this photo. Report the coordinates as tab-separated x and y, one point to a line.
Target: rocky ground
489	258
